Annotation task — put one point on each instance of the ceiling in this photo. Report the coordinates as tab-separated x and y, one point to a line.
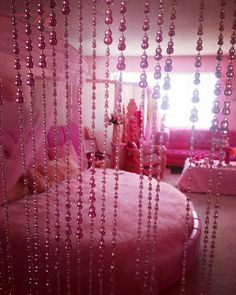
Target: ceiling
186	25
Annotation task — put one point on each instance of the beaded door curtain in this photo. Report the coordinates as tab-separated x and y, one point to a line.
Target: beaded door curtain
44	59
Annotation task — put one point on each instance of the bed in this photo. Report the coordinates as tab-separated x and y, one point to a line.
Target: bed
171	224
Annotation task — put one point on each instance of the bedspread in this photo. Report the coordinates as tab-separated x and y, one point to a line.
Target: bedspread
171	224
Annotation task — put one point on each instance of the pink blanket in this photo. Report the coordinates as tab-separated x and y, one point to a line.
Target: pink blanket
171	225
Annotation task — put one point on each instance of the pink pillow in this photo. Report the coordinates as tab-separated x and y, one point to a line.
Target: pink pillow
73	167
51	172
40	181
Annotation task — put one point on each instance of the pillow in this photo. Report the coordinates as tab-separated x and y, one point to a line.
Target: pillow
61	169
40	180
73	166
51	172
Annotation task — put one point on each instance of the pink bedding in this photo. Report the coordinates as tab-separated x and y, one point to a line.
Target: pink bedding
171	225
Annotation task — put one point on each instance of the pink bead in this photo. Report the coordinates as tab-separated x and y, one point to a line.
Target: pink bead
29	62
19	96
108	40
221	26
160	19
143	84
216	108
146	25
40	9
147	7
159	38
194	115
158	55
28	45
224	126
27	14
52	20
122	28
42	61
30	79
16	48
200	30
166	85
14	35
53	38
18	81
28	29
66	8
108	20
79	233
42	44
169	50
233	39
165	103
17	63
123	9
92	211
121	66
121	46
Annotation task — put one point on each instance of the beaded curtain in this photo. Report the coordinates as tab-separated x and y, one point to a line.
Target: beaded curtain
45	67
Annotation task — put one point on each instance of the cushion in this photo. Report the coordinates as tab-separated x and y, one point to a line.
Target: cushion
40	180
51	172
73	166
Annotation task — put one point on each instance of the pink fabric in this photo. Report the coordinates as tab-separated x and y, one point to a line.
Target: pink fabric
10	109
171	232
60	137
200	177
178	156
179	145
74	135
14	167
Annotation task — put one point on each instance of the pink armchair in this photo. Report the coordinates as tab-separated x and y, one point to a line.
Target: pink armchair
132	159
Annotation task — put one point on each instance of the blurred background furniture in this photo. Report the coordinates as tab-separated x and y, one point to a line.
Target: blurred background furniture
90	144
200	175
131	151
178	144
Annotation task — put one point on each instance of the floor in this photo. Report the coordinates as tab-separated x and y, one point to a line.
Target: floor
223	279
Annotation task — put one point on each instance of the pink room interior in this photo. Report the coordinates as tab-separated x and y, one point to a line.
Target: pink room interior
117	147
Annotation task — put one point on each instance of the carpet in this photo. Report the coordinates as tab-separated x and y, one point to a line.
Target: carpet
223	280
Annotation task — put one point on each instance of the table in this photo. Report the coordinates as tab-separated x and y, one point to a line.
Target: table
200	177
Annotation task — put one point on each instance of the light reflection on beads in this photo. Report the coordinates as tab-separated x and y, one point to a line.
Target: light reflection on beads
223	130
20	100
193	119
10	279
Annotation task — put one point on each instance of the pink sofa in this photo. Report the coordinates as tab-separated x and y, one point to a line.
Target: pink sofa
178	145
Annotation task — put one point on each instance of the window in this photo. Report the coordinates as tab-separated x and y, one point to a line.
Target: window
180	96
